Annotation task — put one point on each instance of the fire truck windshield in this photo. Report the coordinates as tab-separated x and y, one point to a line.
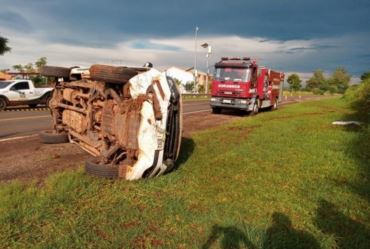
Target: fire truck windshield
233	74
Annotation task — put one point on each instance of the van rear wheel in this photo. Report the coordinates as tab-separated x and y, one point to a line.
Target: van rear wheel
60	72
51	137
112	74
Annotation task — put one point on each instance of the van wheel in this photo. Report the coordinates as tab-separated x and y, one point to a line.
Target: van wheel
51	137
93	167
2	104
60	72
111	74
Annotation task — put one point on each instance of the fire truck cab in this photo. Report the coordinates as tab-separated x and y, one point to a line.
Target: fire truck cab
239	83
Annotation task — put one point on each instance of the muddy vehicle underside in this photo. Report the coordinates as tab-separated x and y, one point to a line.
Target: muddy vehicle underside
129	119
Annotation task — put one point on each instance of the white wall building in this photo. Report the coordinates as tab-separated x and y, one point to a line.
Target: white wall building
182	75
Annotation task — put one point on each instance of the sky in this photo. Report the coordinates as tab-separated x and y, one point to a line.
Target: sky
288	35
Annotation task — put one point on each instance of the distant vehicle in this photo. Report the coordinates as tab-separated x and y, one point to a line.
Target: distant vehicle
128	118
239	83
23	92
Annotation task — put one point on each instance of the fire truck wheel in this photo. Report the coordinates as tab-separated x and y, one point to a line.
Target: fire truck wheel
216	110
275	105
60	72
255	108
93	167
50	137
111	74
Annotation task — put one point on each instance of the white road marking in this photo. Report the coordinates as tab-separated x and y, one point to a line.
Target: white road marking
23	118
16	138
206	110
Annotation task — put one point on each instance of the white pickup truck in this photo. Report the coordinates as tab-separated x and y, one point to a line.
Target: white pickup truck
22	92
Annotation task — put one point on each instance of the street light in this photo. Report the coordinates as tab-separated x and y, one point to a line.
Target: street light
209	51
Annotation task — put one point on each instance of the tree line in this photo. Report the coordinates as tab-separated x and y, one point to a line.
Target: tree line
337	82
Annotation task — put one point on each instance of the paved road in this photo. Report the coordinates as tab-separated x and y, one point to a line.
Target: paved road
23	122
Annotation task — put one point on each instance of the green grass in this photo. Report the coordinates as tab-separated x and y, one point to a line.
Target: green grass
283	179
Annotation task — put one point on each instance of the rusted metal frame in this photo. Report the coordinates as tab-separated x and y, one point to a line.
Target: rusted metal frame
84	139
112	93
90	149
106	154
72	108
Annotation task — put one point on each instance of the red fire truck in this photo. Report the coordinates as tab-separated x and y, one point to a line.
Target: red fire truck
239	83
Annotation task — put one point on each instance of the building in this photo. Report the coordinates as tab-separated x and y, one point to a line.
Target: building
202	78
5	76
181	75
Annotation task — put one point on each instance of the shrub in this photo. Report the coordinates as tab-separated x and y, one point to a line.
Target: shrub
359	98
318	91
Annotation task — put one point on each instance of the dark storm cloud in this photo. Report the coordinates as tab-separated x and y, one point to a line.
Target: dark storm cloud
13	20
108	24
94	20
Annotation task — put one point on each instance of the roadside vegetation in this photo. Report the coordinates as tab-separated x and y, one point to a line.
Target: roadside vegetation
283	179
318	84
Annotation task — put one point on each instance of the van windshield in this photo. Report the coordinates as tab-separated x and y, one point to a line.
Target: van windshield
233	74
4	84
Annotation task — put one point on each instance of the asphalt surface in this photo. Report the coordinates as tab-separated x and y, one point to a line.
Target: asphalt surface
23	121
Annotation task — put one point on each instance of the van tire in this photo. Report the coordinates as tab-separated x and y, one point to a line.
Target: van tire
60	72
92	167
50	137
111	74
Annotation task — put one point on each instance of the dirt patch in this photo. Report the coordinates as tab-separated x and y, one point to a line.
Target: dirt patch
29	159
206	120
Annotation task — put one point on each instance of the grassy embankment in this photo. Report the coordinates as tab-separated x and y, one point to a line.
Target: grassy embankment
284	179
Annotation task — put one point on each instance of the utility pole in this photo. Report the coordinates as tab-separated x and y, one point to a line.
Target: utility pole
209	51
195	55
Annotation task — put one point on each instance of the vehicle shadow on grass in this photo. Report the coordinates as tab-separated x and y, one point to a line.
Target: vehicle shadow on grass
281	234
359	150
186	150
348	233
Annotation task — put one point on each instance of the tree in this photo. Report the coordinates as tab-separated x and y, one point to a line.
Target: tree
365	76
317	81
19	68
40	63
189	86
3	46
177	81
29	68
340	79
294	82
